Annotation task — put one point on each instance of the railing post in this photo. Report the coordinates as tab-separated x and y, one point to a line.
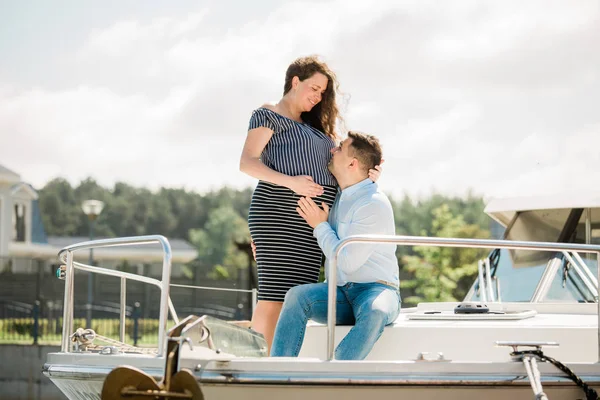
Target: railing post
136	318
598	272
36	322
122	309
67	321
331	303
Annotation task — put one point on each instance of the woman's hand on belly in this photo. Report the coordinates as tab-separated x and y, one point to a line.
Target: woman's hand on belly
304	185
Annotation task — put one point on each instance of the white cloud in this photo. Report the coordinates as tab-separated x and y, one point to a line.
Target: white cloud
500	97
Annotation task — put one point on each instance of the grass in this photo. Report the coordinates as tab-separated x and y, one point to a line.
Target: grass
20	330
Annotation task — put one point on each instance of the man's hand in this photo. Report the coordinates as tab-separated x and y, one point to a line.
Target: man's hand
311	212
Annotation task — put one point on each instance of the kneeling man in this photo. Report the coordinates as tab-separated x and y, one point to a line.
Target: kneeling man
367	273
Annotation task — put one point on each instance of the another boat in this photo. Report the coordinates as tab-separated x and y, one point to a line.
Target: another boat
528	328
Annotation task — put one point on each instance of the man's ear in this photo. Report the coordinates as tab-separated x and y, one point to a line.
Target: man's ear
295	82
354	164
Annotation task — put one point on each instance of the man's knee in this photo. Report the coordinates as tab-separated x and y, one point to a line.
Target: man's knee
302	295
375	319
382	310
293	295
297	295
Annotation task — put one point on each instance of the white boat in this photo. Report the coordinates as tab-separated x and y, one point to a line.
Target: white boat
540	286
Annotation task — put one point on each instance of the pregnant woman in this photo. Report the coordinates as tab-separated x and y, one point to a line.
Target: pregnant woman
288	148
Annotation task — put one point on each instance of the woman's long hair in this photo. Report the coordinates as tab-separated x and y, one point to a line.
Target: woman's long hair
324	115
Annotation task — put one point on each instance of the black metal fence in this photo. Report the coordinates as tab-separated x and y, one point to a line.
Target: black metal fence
31	298
42	323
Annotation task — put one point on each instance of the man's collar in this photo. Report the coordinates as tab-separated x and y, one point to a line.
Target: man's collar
350	190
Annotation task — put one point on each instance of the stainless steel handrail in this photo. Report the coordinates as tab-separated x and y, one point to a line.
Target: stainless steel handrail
439	242
254	291
66	256
128	275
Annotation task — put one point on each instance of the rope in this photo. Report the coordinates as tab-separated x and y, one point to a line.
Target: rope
126	347
590	393
85	338
534	377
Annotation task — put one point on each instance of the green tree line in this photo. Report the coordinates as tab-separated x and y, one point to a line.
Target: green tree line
215	221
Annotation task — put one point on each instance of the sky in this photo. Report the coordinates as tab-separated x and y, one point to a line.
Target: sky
501	98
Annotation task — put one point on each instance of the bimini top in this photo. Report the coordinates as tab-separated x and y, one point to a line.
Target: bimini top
504	209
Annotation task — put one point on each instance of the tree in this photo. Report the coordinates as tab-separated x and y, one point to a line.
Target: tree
216	243
58	207
189	211
443	273
161	220
215	220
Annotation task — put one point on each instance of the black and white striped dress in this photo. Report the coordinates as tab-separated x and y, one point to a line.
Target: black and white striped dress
287	254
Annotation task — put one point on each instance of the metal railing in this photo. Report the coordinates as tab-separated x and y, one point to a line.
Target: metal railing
253	291
438	242
166	305
66	256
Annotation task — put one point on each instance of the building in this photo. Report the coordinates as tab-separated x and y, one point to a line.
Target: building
22	232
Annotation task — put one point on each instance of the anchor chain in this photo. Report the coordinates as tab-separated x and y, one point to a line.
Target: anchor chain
590	393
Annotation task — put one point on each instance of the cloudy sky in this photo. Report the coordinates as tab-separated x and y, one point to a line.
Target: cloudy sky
501	97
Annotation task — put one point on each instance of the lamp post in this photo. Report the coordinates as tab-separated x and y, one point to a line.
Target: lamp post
91	208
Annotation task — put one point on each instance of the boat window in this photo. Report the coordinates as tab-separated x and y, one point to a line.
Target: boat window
580	233
519	271
568	286
536	226
517	284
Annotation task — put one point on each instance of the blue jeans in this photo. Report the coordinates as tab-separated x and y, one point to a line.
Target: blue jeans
367	306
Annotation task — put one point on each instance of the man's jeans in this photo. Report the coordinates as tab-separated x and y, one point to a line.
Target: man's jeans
367	306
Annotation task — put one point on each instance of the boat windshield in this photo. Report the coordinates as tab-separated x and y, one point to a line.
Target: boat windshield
519	271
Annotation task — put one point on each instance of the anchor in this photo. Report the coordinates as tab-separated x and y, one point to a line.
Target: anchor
131	383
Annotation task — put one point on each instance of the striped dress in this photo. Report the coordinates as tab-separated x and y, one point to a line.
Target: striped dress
287	254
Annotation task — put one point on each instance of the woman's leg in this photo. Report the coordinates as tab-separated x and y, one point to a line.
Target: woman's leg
265	319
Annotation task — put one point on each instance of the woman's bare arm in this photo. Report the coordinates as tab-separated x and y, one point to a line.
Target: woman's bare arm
251	164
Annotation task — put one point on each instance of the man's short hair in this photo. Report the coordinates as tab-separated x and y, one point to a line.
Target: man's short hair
366	149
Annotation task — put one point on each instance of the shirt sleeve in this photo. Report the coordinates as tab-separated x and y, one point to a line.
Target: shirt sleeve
262	118
368	219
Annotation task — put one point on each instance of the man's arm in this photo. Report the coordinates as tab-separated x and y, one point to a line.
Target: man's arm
370	218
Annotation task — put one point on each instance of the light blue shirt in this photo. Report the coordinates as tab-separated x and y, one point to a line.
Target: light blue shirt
360	209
